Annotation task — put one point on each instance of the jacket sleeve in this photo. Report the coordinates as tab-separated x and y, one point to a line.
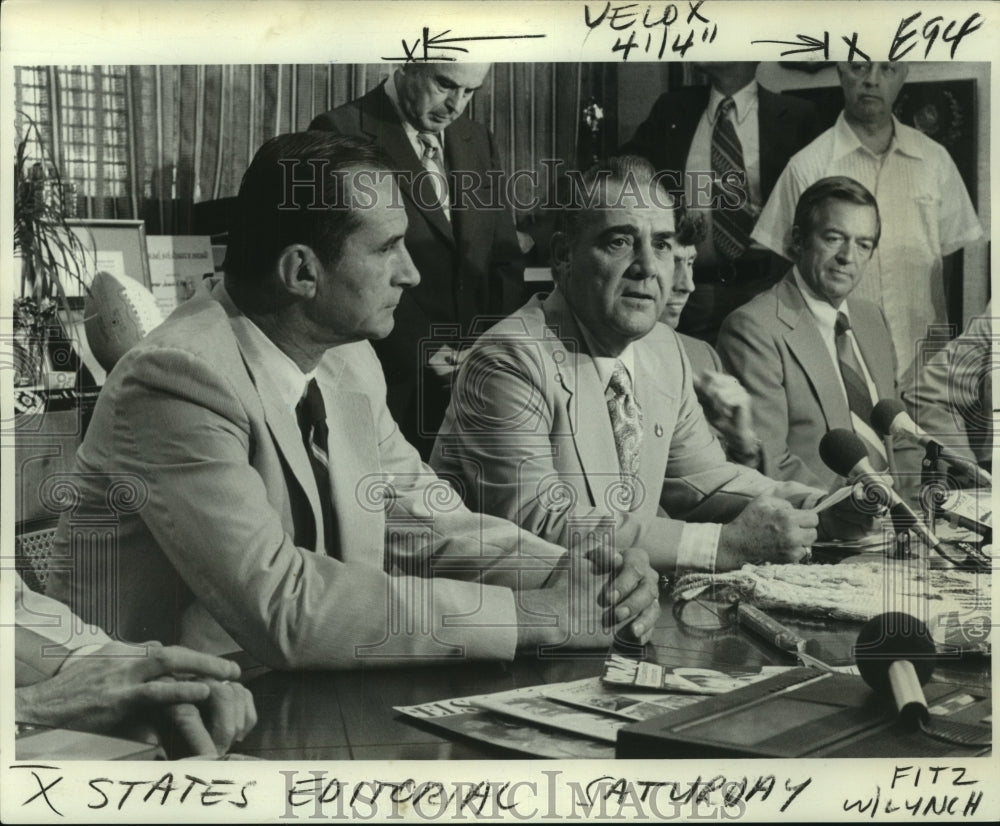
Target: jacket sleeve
700	484
501	439
181	426
463	544
751	354
46	633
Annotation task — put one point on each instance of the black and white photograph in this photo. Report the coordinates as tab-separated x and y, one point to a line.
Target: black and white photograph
560	411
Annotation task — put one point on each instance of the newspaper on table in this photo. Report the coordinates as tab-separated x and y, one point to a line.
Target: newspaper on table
533	706
594	695
621	671
461	716
581	718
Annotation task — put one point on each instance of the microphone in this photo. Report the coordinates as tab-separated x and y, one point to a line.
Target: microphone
889	418
846	455
895	654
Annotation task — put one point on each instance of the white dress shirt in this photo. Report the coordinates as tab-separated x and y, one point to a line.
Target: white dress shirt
926	214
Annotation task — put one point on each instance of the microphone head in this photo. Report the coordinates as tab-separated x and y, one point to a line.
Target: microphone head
890	637
841	449
884	414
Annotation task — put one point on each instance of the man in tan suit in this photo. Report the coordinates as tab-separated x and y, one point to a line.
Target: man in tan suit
813	355
276	507
579	409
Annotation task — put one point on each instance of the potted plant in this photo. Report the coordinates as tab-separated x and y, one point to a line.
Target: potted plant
49	251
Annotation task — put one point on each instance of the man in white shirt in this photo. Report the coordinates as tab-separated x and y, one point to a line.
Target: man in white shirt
812	355
926	211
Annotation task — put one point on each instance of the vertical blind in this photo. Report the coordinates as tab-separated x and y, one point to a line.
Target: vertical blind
152	141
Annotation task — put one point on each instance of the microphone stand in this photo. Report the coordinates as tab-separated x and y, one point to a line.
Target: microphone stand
933	483
934	487
930	472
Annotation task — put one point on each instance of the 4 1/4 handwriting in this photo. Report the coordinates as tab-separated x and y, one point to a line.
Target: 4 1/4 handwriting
622	17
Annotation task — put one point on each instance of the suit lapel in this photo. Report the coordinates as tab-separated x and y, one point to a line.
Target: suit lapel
805	342
879	364
380	122
459	154
652	377
353	452
287	437
586	409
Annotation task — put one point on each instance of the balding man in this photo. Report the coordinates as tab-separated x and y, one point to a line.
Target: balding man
460	234
277	508
579	409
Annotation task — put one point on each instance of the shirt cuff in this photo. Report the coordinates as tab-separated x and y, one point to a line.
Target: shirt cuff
698	546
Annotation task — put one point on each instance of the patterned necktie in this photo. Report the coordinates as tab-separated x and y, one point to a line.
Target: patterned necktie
431	160
731	227
859	397
626	420
311	415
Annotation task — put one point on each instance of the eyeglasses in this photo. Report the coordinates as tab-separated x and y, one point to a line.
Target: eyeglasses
865	68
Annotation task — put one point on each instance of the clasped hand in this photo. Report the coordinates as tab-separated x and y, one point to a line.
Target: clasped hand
97	691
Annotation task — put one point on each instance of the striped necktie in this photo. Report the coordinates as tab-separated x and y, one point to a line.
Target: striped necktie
731	226
859	397
626	420
311	415
432	162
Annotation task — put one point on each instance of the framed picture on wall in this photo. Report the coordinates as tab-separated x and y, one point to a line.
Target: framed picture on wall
114	246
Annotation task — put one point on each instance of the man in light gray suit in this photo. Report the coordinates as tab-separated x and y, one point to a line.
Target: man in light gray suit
277	508
579	408
791	346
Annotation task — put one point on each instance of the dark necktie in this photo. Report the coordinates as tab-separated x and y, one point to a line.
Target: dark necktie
859	397
731	227
311	415
626	420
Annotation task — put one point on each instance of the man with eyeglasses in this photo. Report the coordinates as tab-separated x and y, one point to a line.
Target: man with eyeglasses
812	355
926	210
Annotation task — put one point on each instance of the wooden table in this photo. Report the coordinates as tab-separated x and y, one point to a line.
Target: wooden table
347	715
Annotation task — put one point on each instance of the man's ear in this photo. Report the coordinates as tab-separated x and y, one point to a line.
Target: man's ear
795	244
559	255
298	271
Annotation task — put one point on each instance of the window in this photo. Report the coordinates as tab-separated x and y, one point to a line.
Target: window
80	112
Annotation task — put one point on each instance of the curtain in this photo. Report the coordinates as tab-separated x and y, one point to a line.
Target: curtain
152	141
192	130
